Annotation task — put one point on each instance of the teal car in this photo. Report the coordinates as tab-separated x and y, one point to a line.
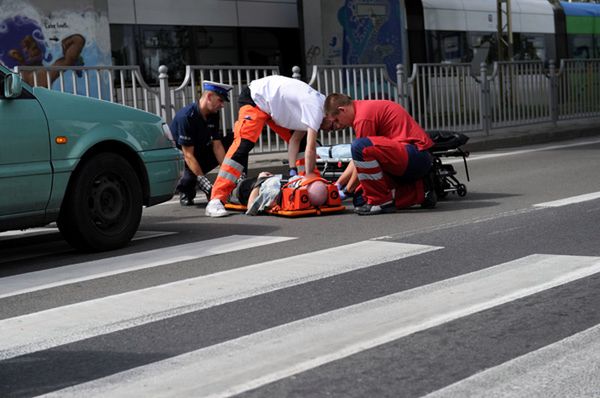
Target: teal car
88	165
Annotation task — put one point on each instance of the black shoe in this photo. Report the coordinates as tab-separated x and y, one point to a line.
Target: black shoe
369	209
357	199
430	200
184	200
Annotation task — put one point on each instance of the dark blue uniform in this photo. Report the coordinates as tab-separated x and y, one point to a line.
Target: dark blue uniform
189	128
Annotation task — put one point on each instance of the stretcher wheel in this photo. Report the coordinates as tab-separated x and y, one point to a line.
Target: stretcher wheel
461	190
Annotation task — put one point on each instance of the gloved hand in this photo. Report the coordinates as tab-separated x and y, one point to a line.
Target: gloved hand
293	172
341	190
204	185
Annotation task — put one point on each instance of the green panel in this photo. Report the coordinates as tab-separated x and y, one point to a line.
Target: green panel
581	25
25	169
164	168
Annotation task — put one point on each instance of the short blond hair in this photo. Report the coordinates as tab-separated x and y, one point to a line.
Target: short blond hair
334	101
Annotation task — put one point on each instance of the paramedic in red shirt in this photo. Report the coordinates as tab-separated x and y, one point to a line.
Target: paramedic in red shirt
389	154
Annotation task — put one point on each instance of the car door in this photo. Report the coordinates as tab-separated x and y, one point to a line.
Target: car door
25	168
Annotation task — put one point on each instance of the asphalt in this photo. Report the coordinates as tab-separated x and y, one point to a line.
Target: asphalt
506	137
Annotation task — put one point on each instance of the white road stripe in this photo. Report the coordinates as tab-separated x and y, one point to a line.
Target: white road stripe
254	360
53	327
569	201
26	283
27	232
523	151
568	368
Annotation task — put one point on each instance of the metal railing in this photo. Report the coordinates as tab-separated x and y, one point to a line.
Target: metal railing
238	77
519	94
121	84
439	96
356	81
578	89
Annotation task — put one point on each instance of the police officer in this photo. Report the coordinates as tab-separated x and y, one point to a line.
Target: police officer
195	129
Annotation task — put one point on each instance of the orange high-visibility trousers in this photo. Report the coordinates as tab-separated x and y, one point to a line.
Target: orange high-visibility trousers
247	130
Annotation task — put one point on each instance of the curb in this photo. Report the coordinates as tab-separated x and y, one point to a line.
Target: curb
532	135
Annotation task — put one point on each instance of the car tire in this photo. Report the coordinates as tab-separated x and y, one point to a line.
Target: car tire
103	208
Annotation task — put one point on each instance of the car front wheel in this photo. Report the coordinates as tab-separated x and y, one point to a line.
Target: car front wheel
103	207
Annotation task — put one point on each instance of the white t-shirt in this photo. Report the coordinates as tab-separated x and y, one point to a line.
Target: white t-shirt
291	103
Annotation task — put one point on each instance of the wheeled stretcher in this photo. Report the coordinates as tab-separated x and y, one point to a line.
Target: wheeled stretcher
333	160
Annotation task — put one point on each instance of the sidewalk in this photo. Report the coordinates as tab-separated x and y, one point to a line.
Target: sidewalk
498	138
533	134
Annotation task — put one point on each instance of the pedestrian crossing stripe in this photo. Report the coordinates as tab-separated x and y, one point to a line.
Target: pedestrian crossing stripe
62	325
251	361
45	279
569	367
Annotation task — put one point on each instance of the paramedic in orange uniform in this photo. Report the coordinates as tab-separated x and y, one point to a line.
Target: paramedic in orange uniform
389	154
289	107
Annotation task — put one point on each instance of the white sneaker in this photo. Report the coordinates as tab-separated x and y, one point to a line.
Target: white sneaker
215	208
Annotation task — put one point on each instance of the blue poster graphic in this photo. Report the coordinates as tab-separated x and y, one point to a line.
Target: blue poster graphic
372	33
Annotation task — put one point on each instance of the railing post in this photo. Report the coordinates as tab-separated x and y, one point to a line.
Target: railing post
165	97
296	72
553	92
400	77
485	100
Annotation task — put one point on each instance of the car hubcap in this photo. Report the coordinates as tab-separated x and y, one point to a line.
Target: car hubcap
107	201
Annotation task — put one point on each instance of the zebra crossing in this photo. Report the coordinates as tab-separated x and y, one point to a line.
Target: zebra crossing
572	364
275	353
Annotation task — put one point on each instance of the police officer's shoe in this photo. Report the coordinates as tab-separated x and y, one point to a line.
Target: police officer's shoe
215	208
185	200
368	209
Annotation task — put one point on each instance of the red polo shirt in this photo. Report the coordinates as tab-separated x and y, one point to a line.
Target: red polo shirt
388	119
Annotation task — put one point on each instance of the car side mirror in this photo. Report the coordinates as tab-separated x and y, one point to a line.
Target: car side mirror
12	85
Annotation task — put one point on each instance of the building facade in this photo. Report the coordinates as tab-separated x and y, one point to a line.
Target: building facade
150	33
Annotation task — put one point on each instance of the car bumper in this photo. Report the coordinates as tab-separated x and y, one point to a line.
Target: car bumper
164	168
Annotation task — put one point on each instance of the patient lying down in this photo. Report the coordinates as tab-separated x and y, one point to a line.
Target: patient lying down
262	193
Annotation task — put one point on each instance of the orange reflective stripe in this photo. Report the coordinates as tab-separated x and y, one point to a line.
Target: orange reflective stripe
222	189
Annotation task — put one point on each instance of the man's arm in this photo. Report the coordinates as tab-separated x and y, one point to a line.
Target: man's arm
347	176
310	154
294	147
190	160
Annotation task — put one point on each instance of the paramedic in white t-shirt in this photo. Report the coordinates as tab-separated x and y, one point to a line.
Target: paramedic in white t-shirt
289	107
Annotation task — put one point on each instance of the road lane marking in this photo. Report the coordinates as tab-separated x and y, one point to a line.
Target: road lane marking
571	200
522	151
27	232
569	367
254	360
38	280
49	328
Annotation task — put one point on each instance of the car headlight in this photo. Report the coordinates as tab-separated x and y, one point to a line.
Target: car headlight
167	133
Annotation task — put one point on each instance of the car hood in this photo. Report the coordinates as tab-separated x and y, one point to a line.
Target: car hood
75	116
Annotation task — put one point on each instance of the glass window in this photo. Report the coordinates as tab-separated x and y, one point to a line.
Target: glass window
177	46
447	46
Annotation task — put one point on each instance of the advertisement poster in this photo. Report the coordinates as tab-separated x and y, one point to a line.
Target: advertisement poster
362	32
36	33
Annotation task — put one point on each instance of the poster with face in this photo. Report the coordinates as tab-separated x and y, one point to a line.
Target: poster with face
35	33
